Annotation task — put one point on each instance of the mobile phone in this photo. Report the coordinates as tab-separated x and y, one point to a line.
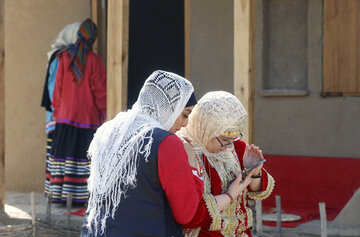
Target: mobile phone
245	172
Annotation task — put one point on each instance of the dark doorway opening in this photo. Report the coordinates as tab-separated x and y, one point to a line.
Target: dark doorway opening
156	41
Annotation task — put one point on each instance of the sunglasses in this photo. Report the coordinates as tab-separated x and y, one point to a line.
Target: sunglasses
229	143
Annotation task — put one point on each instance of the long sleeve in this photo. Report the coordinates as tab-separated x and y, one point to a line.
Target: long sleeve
47	98
98	85
267	186
207	215
56	100
52	77
183	189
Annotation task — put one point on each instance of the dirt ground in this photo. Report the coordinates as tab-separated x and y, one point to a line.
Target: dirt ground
17	219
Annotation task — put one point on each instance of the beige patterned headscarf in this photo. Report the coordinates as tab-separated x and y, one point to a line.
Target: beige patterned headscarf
215	113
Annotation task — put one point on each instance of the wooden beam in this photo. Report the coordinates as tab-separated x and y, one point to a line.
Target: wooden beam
2	110
341	55
94	18
187	37
244	22
102	30
99	15
117	56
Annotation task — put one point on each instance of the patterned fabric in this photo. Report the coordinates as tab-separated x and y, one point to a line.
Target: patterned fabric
68	176
67	164
86	38
48	164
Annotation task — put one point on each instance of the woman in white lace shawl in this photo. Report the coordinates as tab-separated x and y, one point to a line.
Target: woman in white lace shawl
141	183
215	126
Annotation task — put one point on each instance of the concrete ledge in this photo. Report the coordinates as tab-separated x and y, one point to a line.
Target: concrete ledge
313	228
283	92
349	217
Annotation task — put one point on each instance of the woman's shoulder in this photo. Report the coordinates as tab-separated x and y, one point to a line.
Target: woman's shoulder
163	134
161	131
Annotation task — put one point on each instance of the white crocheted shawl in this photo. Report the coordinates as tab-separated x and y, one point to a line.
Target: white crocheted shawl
118	144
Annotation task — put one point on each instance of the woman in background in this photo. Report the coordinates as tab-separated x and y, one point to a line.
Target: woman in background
79	104
67	36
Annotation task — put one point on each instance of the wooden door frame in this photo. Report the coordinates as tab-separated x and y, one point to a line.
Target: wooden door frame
118	52
2	109
187	38
117	56
99	17
244	43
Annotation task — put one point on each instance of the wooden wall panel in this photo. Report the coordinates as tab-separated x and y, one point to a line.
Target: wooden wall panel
117	56
99	16
187	38
244	61
342	47
2	109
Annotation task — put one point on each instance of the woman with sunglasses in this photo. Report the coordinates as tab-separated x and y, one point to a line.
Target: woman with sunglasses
220	156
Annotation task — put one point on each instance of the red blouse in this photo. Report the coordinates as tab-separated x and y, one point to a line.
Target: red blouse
182	185
81	105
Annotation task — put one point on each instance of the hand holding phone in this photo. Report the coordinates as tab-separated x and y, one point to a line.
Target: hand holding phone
245	172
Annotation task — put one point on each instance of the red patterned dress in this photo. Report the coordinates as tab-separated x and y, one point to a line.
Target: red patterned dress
236	218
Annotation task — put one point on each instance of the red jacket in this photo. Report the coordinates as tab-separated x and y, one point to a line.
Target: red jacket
81	105
206	217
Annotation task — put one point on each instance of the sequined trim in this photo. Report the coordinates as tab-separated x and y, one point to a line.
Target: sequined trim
229	220
266	193
214	212
242	235
249	214
203	175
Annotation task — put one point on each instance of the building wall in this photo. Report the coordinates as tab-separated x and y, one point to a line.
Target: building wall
211	45
30	26
308	125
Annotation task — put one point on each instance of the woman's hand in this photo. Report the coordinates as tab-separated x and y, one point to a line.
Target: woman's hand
238	185
253	155
235	189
